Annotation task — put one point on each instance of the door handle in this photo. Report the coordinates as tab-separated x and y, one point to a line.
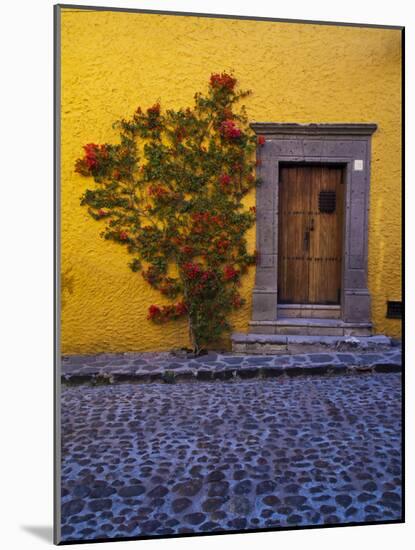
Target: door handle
306	240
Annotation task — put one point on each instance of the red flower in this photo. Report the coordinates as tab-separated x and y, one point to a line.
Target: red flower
223	80
154	110
224	180
166	313
91	151
207	275
229	130
101	212
157	191
229	273
153	311
91	148
116	174
186	250
222	245
191	270
236	300
181	308
261	140
91	163
206	218
180	133
123	235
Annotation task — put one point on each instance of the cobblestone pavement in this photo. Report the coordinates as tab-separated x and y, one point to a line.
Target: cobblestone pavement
157	459
153	367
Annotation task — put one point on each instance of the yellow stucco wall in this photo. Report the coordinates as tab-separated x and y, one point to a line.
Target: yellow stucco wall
114	61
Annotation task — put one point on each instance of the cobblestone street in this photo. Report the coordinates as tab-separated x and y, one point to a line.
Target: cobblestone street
154	459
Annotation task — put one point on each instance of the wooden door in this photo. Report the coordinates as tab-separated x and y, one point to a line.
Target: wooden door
310	229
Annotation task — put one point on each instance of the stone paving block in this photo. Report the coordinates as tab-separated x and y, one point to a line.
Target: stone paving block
139	362
205	358
174	366
258	360
322	358
78	359
287	360
370	358
347	358
69	368
90	370
234	360
297	358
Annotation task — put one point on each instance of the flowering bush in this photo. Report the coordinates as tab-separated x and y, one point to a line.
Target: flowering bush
171	192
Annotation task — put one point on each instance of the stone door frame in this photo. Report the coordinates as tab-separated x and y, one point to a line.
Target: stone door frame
348	144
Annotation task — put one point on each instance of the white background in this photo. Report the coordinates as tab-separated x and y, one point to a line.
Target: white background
26	223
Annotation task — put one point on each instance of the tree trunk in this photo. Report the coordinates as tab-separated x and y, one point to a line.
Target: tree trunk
195	346
192	337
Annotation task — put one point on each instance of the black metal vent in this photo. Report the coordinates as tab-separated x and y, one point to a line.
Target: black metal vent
394	310
327	202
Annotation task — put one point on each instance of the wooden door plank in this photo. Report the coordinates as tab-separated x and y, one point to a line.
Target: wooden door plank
326	240
293	263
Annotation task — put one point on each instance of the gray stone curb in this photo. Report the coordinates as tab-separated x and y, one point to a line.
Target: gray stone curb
165	368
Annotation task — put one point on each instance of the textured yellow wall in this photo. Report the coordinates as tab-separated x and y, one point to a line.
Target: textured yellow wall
113	61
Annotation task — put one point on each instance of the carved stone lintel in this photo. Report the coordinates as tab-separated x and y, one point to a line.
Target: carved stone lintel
321	129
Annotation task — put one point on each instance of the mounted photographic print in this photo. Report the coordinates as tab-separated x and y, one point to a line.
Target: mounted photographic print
228	274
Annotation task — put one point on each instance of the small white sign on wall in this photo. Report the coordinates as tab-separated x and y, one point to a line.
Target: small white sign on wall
358	165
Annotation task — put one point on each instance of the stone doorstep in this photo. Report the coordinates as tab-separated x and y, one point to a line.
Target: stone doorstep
310	326
241	337
281	343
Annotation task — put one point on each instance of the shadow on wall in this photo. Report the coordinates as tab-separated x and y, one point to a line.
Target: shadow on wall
67	285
